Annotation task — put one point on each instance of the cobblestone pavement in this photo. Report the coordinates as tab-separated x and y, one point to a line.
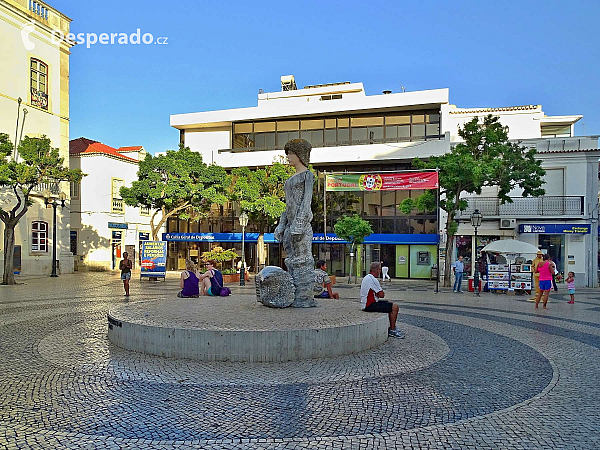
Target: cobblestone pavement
488	372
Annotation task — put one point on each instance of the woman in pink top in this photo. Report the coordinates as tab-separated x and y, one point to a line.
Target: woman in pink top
546	269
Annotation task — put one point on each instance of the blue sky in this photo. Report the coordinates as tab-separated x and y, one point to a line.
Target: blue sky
218	55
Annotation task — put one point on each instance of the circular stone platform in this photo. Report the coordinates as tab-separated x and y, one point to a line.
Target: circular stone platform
238	328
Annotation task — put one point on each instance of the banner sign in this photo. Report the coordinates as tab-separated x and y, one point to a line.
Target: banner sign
583	228
154	259
382	181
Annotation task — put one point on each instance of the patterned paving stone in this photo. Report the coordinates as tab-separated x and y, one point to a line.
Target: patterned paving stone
472	373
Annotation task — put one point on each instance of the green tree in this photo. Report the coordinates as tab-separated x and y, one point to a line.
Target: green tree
178	184
485	158
220	255
353	229
260	192
37	163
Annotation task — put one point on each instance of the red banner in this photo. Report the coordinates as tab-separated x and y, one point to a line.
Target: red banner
382	181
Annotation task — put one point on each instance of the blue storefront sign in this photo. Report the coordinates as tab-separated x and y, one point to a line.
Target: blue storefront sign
210	237
318	238
154	259
559	228
122	226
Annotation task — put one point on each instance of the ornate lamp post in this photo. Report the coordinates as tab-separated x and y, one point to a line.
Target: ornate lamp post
49	200
476	223
243	223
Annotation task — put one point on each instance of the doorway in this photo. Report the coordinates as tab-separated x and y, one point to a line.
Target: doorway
554	245
117	237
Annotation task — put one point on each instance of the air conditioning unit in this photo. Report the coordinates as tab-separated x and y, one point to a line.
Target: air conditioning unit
508	224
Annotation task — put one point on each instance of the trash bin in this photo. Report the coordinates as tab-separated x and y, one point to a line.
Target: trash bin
434	272
472	283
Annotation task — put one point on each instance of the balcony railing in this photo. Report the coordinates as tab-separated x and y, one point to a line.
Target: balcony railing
53	187
117	205
339	143
39	9
526	206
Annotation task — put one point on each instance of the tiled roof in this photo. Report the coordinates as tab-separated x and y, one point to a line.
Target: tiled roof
87	147
492	110
79	145
135	148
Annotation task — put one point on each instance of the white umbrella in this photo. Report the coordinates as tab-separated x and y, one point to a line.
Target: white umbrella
510	246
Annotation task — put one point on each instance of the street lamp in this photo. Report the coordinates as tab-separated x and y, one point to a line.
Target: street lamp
243	223
476	223
49	200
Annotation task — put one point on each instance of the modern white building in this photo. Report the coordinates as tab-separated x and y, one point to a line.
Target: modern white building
354	132
102	226
34	88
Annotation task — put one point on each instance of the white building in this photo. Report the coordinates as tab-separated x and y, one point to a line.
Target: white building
35	70
353	132
102	226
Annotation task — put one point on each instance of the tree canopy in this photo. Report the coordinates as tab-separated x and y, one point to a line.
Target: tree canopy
486	157
260	192
178	184
37	163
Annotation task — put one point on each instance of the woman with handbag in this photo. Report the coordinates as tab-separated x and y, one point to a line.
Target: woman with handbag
212	281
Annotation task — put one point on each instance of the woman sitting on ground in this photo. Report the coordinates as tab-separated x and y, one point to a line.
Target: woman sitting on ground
212	280
190	278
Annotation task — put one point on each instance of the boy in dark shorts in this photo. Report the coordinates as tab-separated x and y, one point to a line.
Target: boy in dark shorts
323	282
370	291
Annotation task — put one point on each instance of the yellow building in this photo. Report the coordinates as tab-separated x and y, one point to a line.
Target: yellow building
35	69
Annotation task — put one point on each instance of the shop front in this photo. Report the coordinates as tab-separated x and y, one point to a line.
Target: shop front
565	244
184	246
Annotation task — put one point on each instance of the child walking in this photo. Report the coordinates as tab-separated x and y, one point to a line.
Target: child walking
571	287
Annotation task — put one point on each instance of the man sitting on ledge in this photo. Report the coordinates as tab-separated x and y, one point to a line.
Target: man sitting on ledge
369	289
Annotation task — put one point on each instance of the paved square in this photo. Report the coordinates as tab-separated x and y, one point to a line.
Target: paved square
487	372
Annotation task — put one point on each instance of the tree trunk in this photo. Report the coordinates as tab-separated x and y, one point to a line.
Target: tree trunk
351	263
9	251
448	265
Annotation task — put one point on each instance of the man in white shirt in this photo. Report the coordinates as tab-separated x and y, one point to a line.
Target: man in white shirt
370	291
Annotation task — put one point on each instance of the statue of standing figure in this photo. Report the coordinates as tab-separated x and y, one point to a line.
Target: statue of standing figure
294	231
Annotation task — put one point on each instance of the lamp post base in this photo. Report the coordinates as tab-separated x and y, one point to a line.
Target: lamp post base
242	276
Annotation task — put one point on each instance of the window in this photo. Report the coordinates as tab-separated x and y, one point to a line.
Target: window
39	83
117	205
39	236
144	211
74	189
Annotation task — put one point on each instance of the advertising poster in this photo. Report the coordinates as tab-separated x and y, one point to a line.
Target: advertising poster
520	285
502	276
154	259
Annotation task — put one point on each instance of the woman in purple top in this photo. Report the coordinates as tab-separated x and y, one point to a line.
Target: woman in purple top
189	281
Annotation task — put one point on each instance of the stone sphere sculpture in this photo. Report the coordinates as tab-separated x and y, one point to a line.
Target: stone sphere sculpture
274	287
